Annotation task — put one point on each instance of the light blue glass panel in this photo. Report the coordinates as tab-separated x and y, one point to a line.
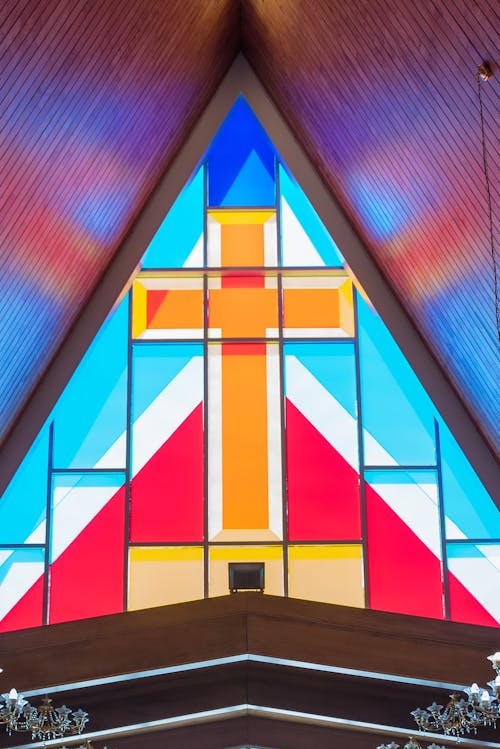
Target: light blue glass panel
154	367
23	504
76	500
241	162
179	240
332	365
413	497
90	416
20	569
167	385
469	509
476	567
398	415
305	241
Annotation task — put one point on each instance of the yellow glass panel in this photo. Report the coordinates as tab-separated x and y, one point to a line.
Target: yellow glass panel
242	244
230	216
164	575
243	312
346	308
328	573
220	556
139	309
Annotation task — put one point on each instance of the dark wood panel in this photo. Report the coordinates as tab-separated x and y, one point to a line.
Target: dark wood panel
120	644
247	622
371	640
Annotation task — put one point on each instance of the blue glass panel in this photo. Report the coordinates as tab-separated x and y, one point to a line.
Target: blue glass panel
167	385
154	366
413	498
179	240
305	241
469	509
76	500
476	567
398	414
20	569
90	416
332	364
241	162
23	504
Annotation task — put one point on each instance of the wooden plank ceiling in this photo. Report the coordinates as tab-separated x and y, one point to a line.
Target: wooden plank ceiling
383	96
96	99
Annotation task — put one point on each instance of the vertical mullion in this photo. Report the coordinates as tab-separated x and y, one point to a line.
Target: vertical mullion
205	383
128	456
48	529
282	382
361	453
442	522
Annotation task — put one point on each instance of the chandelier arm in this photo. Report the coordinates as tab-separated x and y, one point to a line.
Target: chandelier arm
43	722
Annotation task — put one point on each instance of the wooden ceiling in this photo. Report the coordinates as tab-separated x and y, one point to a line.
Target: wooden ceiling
96	100
383	96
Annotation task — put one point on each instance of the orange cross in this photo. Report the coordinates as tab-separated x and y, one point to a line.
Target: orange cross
243	305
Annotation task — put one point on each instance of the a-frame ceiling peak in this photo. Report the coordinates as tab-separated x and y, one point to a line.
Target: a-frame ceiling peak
241	78
383	97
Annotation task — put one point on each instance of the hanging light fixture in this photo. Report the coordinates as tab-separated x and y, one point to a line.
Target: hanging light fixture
460	715
411	744
465	715
43	722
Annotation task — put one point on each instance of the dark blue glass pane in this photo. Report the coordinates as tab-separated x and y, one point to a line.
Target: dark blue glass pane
241	162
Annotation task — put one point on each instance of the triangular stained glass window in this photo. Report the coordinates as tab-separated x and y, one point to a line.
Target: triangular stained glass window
244	402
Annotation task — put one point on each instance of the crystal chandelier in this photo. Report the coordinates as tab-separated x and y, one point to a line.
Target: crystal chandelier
43	722
464	715
411	744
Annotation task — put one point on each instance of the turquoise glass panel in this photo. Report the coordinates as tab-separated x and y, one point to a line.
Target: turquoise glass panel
332	365
178	242
154	367
87	545
27	490
77	498
21	580
322	451
398	414
305	241
469	509
404	542
241	162
412	496
167	445
90	416
474	582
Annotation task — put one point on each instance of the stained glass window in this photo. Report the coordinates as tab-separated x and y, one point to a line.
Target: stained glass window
245	402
